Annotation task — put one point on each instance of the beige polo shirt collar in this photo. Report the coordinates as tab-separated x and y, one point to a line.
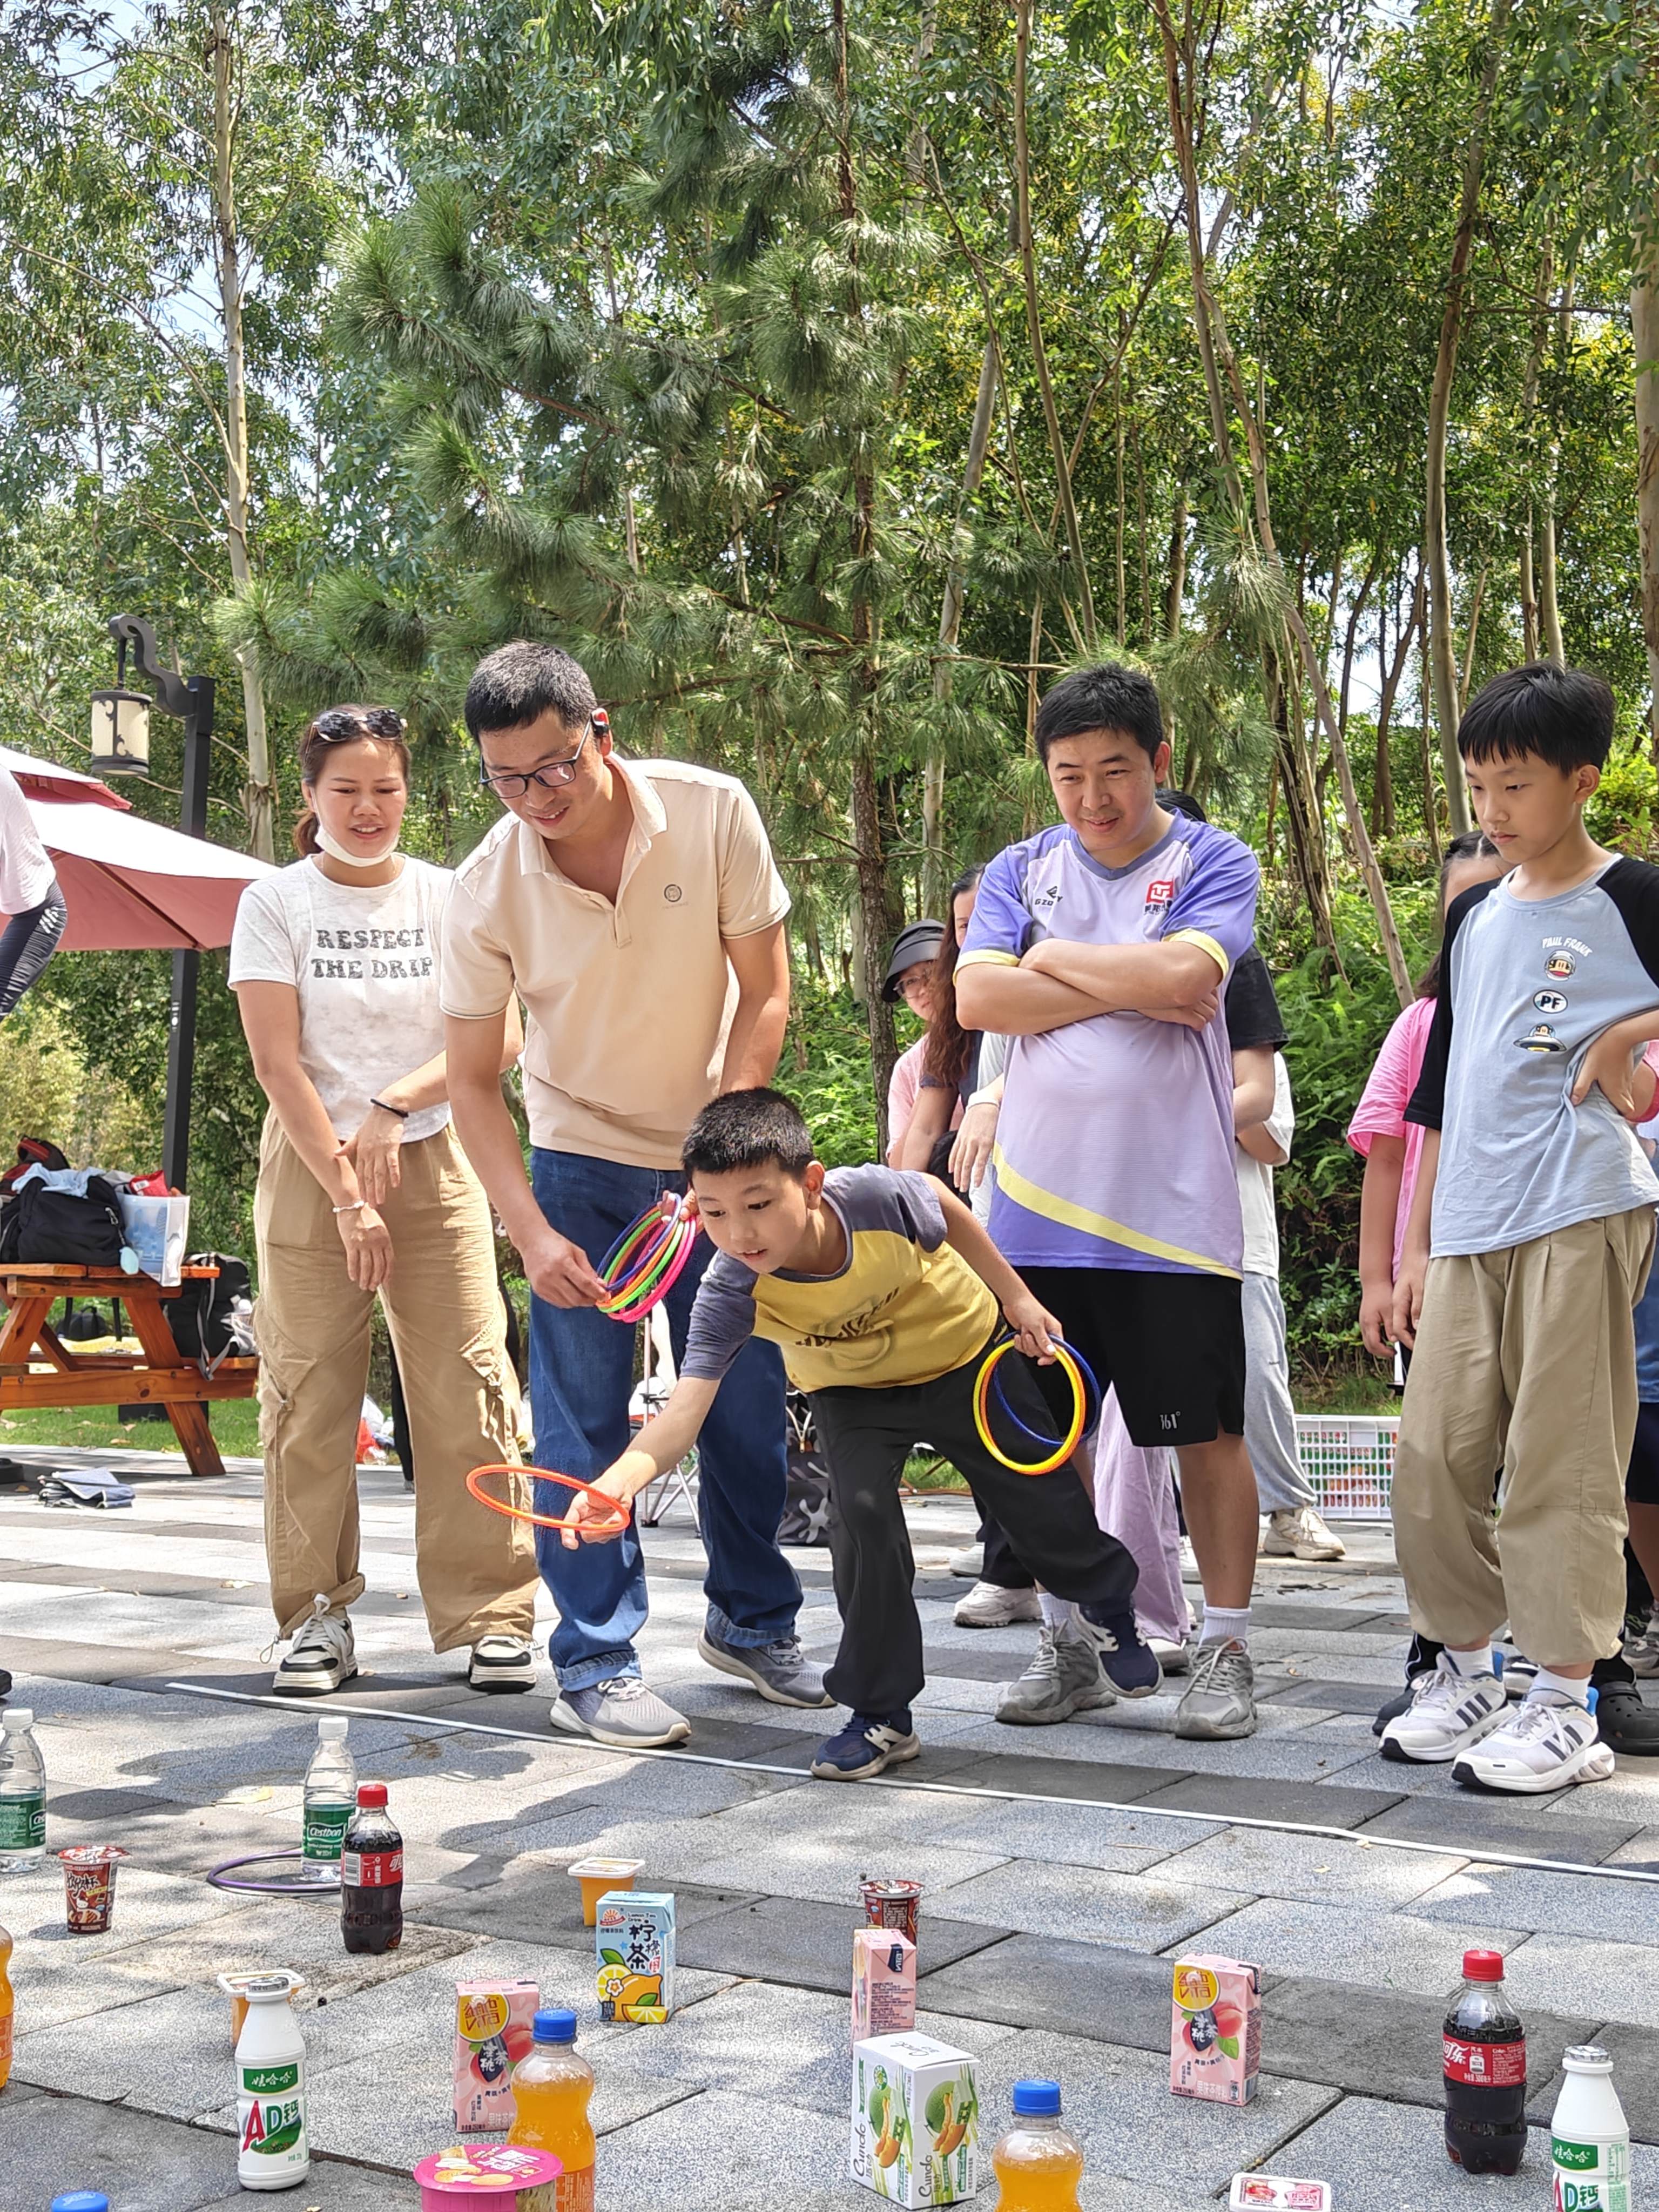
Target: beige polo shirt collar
535	855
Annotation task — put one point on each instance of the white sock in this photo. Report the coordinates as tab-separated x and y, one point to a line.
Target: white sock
1223	1624
1567	1686
1468	1664
1058	1611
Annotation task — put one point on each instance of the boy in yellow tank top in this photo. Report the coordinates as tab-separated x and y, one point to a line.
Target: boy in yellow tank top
885	1295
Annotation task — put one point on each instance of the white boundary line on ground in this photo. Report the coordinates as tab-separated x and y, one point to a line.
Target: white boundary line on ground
1472	1852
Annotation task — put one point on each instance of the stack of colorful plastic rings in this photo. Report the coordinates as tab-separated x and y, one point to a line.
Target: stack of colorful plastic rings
648	1258
1085	1409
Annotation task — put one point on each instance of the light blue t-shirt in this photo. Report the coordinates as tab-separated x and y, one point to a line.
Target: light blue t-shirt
1115	1143
1529	986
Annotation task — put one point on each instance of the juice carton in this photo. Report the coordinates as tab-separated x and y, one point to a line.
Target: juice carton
915	2119
884	1982
634	1935
1215	2030
1271	2193
492	2034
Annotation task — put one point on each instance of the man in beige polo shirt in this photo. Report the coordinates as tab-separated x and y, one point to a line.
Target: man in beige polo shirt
635	908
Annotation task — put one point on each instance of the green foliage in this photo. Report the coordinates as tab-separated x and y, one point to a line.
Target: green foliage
825	1068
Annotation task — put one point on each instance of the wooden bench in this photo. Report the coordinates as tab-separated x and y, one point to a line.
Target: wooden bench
159	1375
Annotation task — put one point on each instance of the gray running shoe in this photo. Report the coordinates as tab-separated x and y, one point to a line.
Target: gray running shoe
987	1605
622	1712
777	1670
1220	1700
1063	1679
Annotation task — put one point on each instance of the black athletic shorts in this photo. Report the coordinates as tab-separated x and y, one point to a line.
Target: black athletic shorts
1642	1480
1173	1344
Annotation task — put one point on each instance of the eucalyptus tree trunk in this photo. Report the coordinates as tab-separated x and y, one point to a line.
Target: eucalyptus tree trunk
1442	648
1644	331
936	872
259	795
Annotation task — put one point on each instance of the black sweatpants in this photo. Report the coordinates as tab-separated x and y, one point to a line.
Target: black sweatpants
866	1435
26	943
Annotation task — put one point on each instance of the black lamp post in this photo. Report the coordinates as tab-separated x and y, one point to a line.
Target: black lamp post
121	746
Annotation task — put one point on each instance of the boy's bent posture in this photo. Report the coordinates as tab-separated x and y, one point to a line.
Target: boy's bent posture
884	1293
1537	1204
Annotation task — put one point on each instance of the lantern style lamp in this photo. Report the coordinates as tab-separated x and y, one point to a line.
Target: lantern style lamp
120	732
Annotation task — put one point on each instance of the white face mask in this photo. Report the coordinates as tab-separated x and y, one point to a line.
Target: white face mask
348	860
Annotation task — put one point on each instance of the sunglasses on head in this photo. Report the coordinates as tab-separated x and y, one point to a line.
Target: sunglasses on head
341	723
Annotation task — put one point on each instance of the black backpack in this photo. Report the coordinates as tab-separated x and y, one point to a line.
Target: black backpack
57	1229
210	1317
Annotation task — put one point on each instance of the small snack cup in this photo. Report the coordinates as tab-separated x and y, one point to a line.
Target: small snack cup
599	1876
462	2177
90	1886
893	1904
235	1984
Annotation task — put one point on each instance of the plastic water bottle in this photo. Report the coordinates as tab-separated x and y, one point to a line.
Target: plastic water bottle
330	1793
23	1794
1038	2164
1589	2137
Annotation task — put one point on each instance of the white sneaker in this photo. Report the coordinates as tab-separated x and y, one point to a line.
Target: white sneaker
1300	1535
1188	1561
502	1662
969	1563
1448	1713
1173	1658
987	1605
1550	1741
321	1656
1642	1652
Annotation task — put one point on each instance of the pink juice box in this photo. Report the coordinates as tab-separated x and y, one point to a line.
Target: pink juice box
493	2031
1215	2030
884	1982
1273	2192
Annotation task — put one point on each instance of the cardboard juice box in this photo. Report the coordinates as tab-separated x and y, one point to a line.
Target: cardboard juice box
633	1936
1272	2192
493	2025
884	1982
1215	2030
915	2119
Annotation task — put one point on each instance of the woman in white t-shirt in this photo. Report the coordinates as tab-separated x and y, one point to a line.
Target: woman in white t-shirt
363	1190
30	901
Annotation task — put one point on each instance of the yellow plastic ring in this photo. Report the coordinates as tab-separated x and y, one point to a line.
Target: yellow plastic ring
1063	1450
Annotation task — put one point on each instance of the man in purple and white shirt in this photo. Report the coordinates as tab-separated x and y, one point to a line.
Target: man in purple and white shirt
1103	948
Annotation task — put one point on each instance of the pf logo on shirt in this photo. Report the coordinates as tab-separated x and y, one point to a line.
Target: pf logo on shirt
1160	893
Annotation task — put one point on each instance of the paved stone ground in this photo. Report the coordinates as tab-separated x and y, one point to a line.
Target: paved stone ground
1047	1929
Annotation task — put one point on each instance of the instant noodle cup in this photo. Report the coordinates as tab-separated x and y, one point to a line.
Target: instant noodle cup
233	1985
90	1886
597	1875
893	1904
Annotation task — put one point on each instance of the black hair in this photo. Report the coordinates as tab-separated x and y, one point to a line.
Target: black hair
1471	845
748	1129
1106	697
517	684
1563	715
1180	802
949	1046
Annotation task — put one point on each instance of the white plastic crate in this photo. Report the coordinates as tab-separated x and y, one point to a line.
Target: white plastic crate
1348	1458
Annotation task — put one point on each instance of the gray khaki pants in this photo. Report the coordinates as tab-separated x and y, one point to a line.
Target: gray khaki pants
1270	1417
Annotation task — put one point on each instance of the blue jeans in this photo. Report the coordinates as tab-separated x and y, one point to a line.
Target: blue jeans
581	1374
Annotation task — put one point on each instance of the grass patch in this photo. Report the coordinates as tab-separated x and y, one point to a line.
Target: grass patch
235	1423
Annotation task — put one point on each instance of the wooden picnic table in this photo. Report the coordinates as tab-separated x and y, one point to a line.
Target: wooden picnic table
159	1375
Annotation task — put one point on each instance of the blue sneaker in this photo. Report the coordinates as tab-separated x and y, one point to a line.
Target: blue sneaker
1128	1665
865	1747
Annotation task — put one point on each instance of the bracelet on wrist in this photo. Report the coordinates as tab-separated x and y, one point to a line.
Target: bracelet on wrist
985	1098
402	1112
356	1207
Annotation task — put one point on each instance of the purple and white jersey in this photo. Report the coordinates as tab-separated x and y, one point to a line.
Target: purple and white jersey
1114	1146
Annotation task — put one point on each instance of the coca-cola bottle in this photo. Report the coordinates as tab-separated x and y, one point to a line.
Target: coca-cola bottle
372	1876
1485	2072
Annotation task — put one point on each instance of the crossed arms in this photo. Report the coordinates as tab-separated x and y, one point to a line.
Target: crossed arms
1061	981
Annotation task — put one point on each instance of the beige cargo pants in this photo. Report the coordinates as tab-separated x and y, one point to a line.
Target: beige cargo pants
476	1569
1526	1359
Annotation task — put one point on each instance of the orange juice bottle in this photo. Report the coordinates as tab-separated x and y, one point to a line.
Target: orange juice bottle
1038	2163
551	2085
5	2009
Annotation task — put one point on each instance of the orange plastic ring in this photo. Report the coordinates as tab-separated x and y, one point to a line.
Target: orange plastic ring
618	1509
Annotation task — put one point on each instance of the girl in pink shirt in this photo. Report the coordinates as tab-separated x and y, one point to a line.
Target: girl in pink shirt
1390	1146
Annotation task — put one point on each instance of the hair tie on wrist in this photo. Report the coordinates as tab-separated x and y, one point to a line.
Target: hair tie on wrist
402	1112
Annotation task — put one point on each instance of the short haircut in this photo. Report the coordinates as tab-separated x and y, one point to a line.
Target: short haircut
516	685
748	1129
1563	715
1107	697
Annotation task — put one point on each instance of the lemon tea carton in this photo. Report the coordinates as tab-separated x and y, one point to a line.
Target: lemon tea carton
1215	2030
915	2119
633	1936
493	2032
884	1982
1273	2192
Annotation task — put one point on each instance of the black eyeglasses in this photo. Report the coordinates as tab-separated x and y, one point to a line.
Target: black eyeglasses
551	778
342	723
